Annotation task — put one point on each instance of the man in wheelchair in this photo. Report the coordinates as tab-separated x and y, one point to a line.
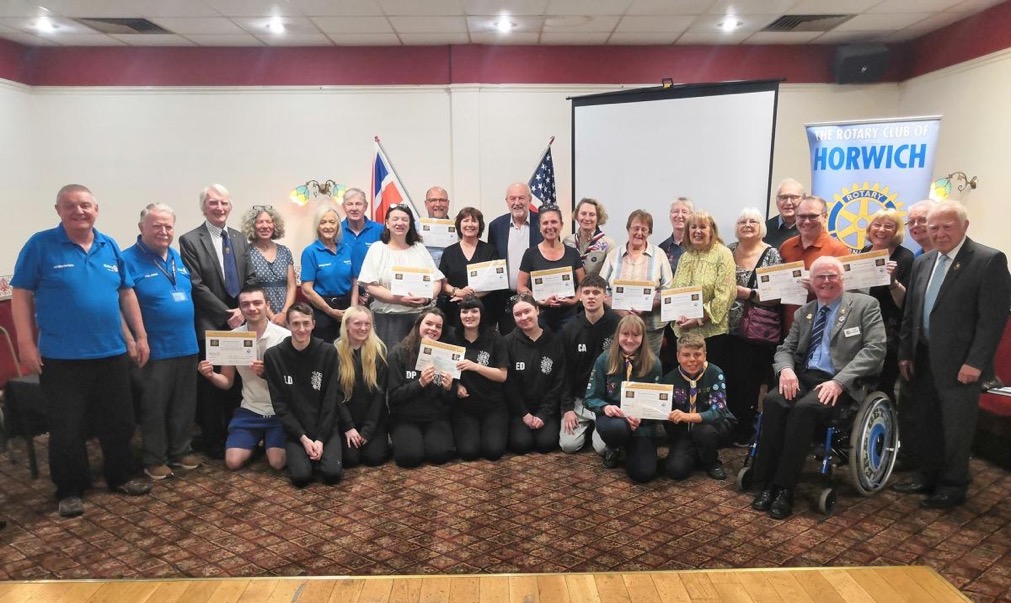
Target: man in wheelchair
835	347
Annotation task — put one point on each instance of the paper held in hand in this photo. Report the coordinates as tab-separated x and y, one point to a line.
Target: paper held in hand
557	282
441	355
683	301
488	276
438	232
415	282
230	348
865	270
632	295
646	400
782	282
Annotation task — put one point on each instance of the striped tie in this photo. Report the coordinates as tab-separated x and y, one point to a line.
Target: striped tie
817	333
930	297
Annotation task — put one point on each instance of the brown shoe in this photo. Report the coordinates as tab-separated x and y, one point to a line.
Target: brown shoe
157	472
187	462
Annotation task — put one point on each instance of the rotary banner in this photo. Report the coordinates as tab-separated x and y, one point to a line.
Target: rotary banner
861	167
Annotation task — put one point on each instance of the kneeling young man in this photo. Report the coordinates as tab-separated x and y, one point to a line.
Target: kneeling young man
301	373
254	421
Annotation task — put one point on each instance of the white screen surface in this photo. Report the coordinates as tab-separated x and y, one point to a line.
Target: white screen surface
712	147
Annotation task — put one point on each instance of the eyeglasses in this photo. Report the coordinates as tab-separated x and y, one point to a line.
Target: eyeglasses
747	221
263	207
826	277
916	222
522	297
807	217
789	197
436	200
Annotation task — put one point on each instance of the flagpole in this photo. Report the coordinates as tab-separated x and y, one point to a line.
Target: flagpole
397	176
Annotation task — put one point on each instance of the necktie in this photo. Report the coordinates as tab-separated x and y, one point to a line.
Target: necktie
228	259
932	290
817	333
628	368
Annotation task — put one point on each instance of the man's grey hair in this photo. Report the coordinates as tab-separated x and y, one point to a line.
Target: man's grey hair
685	201
216	188
356	192
829	260
157	207
950	207
793	182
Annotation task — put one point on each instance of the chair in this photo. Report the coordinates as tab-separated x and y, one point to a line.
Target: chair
10	368
993	428
22	407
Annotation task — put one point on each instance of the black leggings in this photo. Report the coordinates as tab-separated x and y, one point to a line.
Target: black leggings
522	439
640	445
481	434
415	442
373	453
690	448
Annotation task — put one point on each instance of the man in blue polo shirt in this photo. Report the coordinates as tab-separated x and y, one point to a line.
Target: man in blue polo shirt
169	400
72	283
359	232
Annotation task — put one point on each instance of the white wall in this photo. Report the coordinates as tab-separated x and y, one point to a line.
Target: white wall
133	146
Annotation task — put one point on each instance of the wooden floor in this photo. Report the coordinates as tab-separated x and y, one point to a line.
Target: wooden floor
915	583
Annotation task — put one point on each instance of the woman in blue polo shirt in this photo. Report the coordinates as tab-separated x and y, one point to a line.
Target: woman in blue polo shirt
327	280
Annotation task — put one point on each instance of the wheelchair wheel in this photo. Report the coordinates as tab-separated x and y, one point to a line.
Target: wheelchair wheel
874	444
826	501
744	479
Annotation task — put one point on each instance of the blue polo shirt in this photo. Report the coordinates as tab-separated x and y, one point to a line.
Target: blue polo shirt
167	308
330	272
76	294
360	243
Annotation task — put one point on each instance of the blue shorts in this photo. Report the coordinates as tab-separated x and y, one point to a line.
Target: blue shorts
247	429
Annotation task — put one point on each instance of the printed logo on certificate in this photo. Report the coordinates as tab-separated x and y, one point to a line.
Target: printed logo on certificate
442	356
415	282
488	276
556	281
647	400
438	232
865	270
782	282
230	348
632	295
683	301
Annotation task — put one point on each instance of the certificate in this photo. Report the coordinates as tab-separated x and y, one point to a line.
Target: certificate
557	282
441	355
865	270
437	232
683	301
415	282
646	400
231	348
782	282
488	276
632	295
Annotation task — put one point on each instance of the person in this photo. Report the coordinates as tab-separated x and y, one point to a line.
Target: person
747	361
550	254
362	372
699	417
626	360
829	360
676	244
168	400
812	242
536	381
66	278
885	232
586	336
455	258
710	265
254	420
437	206
329	283
272	264
957	306
420	401
511	234
781	227
301	375
591	242
215	256
640	260
400	246
916	222
358	231
480	415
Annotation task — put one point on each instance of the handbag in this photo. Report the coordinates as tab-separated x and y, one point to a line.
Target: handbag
760	324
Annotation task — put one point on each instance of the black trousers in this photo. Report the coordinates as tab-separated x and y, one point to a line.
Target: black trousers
330	464
374	453
788	430
640	445
522	439
415	442
481	434
84	397
748	367
215	408
167	407
691	445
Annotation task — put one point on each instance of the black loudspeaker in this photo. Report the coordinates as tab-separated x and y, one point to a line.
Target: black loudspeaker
861	63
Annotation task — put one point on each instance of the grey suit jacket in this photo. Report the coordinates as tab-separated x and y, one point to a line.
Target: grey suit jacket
857	342
210	300
968	318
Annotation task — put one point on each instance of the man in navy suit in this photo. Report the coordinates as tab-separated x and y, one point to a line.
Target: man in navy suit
511	234
956	308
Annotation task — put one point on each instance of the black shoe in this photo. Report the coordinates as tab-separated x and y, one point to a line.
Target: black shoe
610	458
913	487
764	499
134	487
943	500
717	472
782	507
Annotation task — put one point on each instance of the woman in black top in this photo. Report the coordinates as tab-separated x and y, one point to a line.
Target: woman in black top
420	400
480	416
536	380
551	253
361	373
470	250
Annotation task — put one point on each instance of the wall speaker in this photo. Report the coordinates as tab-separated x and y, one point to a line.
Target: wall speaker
860	63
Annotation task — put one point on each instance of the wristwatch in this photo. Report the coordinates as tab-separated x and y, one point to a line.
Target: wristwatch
753	295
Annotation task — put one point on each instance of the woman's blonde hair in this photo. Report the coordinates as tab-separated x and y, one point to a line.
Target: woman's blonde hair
703	217
892	215
373	351
643	359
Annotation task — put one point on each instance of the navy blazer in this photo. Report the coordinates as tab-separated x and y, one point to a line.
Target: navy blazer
498	233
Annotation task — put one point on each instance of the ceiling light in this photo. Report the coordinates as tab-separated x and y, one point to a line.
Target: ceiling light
275	25
504	25
45	25
729	24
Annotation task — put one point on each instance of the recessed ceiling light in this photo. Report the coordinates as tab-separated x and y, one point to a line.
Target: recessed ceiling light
45	25
275	25
504	25
729	24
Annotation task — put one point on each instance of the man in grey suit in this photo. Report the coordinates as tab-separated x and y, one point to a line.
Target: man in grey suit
956	308
215	255
830	358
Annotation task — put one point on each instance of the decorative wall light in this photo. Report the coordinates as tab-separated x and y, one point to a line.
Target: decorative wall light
300	195
941	188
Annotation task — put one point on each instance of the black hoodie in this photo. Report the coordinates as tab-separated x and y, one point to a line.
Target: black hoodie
303	388
536	381
408	399
584	341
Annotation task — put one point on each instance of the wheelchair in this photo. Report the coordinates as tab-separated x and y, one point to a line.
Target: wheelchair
864	437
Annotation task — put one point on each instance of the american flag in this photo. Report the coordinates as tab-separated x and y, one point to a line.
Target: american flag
542	183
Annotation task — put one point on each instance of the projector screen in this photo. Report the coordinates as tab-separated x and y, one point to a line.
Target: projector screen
641	149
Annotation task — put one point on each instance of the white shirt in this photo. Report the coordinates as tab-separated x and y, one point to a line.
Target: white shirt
218	244
378	268
255	394
519	242
951	255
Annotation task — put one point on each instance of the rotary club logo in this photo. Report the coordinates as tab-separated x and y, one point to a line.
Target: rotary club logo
850	212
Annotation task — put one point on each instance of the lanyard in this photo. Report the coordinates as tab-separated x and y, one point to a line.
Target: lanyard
158	264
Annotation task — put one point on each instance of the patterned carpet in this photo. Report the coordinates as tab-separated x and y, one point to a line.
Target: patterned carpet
540	513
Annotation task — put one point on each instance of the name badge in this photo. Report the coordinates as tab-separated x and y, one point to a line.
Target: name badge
851	331
179	296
